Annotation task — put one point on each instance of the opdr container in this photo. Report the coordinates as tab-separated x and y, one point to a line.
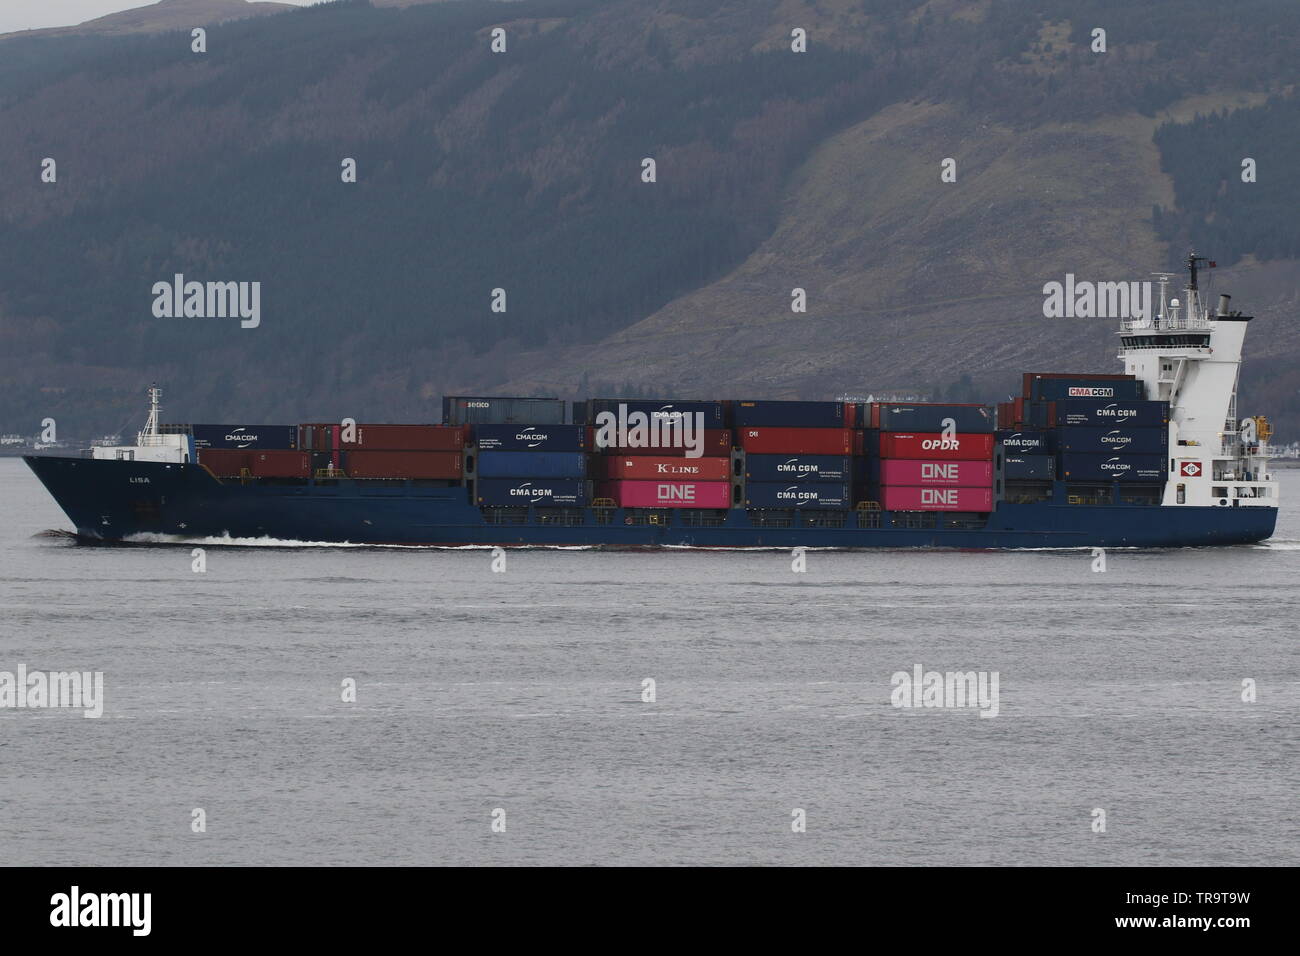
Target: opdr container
750	414
666	494
1090	440
823	495
931	417
910	498
359	463
902	471
646	468
538	491
798	467
530	437
932	445
1075	467
797	441
532	464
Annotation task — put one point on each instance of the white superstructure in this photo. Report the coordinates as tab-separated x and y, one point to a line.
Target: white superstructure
150	444
1191	358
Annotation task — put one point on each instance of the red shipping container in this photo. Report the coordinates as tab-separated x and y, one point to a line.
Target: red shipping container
667	494
1006	414
933	446
937	474
359	463
872	416
645	468
406	438
717	441
224	462
909	498
280	464
799	441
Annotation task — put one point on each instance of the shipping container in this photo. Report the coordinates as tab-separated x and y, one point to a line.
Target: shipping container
622	410
946	474
365	463
1024	442
548	492
403	437
1075	467
532	464
245	436
648	468
1031	414
530	437
911	498
1017	467
798	468
1052	386
666	494
716	442
1007	414
1090	440
497	410
797	441
749	414
223	462
279	464
809	495
1096	412
930	417
933	446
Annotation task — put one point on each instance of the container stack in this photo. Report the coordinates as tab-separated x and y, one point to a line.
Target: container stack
260	451
917	468
397	452
798	454
521	464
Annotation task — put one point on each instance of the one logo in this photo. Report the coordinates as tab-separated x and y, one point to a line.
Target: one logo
1192	469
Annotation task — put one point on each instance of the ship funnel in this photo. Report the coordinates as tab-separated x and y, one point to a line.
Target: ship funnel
1224	299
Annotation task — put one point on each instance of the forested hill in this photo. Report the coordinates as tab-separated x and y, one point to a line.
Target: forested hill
523	171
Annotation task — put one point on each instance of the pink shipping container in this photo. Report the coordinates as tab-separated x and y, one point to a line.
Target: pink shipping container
911	498
936	474
666	494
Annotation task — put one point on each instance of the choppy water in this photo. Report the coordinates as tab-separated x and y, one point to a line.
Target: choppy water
522	690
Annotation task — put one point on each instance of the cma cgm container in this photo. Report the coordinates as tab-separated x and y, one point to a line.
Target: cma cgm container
530	437
715	442
647	468
1113	467
933	445
1024	442
793	414
279	464
361	463
1045	387
666	494
245	436
403	437
908	498
798	441
712	412
490	409
947	474
498	492
926	417
1089	440
798	467
826	495
532	464
1029	467
1098	412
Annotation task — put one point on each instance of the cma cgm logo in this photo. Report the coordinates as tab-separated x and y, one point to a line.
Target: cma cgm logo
942	444
934	469
1088	392
676	492
1116	438
938	496
1191	469
1114	464
527	491
1114	411
240	435
533	438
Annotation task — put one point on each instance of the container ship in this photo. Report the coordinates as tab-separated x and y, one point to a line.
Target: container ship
1153	456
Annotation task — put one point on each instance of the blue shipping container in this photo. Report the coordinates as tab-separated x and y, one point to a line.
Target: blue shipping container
530	437
1024	442
902	417
488	409
1028	468
789	468
791	415
779	494
1089	440
712	411
1097	412
1113	467
532	464
245	436
1056	389
497	492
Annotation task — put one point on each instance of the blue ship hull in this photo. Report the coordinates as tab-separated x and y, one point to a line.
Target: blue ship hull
115	500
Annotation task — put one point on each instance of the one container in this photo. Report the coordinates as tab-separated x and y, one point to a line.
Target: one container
493	409
798	468
945	474
1075	467
497	492
1053	386
532	464
1096	412
1015	442
933	446
404	437
223	462
363	463
809	495
1016	467
931	417
279	464
530	437
750	414
714	443
245	436
622	409
666	494
797	441
647	468
1089	440
910	498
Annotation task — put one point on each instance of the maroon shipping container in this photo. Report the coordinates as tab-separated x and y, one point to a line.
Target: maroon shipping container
717	442
666	494
800	441
224	462
936	474
358	463
1006	414
280	464
908	498
932	445
406	438
646	468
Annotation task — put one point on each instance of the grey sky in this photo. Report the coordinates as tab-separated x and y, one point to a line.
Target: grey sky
32	14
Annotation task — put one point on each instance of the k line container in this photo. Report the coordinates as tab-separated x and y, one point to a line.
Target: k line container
360	463
1151	468
809	495
1024	442
404	438
789	468
1089	440
754	414
279	464
530	437
493	409
1096	412
532	464
519	492
931	417
910	498
716	442
622	409
934	447
1029	467
666	494
947	474
245	436
797	441
647	468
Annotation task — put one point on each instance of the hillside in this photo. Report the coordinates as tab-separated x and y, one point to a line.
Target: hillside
521	171
162	16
